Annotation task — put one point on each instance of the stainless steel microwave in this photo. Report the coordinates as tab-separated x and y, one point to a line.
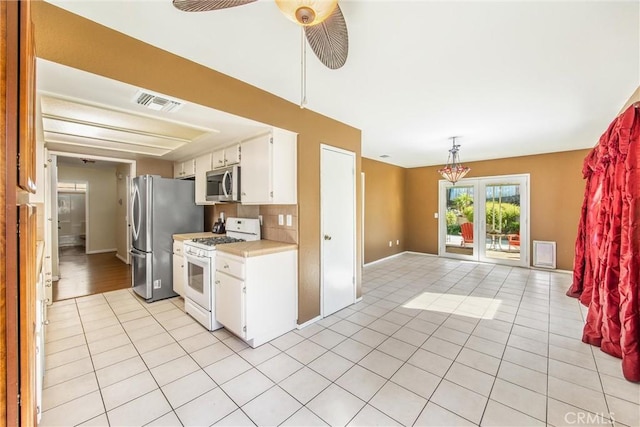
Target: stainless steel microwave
223	185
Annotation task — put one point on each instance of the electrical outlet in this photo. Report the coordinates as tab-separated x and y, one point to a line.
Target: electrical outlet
390	243
289	220
280	219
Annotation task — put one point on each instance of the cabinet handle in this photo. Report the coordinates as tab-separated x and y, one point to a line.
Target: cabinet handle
217	282
226	266
327	237
244	194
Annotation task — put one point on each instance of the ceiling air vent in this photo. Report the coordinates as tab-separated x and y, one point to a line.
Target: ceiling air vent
156	102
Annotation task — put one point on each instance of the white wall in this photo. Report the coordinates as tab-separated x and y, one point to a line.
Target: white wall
102	195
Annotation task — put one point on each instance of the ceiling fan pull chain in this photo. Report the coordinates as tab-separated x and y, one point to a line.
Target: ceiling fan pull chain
303	68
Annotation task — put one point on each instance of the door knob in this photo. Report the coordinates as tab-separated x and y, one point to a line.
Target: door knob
327	237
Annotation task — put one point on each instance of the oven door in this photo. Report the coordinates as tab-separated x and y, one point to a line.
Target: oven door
198	279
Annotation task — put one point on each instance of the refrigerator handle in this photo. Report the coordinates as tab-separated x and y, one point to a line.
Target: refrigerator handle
134	198
224	183
136	253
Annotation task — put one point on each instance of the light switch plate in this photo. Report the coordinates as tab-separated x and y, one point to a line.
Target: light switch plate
289	220
280	219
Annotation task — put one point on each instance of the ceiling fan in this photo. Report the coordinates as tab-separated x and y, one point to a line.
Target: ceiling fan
322	20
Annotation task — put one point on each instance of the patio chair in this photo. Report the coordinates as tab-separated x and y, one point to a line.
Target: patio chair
514	240
466	230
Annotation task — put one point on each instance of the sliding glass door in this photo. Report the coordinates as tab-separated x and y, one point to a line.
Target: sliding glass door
485	219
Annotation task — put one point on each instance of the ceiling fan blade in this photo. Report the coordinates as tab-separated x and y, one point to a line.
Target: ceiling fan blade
330	40
205	5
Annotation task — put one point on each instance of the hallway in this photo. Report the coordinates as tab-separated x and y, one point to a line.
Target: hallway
82	274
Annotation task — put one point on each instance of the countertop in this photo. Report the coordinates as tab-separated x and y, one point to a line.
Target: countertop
189	236
255	248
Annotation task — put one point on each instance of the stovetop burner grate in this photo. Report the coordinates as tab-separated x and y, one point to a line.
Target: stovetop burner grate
212	241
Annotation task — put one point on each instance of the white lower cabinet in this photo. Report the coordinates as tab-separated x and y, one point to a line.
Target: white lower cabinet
178	268
256	296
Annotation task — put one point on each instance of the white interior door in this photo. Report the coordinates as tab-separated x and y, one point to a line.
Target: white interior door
338	228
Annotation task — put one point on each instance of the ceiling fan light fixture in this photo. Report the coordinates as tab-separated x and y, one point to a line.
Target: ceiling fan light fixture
307	12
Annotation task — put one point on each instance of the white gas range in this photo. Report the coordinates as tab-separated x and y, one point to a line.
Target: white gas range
199	255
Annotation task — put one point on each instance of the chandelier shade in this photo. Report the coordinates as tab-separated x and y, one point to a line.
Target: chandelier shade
454	170
307	12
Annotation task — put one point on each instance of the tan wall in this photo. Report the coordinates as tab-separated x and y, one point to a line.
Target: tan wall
70	40
102	212
557	190
384	209
160	167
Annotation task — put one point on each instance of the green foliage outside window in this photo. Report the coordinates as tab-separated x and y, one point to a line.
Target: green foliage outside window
510	216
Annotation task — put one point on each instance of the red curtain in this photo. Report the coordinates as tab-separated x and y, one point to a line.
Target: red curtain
607	257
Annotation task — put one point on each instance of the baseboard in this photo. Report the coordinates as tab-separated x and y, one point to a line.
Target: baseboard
121	258
435	255
309	322
101	251
552	270
420	253
384	259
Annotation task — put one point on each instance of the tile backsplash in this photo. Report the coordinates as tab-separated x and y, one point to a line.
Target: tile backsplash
271	229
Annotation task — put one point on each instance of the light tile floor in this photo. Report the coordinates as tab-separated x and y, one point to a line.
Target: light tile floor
433	342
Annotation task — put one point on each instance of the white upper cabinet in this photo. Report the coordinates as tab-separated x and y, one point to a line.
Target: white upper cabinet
217	159
232	155
269	168
185	169
226	157
203	165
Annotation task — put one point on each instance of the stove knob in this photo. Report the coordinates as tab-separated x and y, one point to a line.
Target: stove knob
200	252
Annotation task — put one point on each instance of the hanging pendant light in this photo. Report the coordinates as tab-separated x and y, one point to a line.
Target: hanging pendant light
454	170
307	12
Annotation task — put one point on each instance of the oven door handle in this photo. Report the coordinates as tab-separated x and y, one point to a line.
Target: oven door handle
196	258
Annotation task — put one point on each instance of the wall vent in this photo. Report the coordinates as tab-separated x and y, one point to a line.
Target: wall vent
544	254
157	102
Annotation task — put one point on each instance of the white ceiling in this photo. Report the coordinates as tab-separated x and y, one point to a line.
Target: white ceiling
82	111
508	77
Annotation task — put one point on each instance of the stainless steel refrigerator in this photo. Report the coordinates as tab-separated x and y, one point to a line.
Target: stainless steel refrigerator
160	207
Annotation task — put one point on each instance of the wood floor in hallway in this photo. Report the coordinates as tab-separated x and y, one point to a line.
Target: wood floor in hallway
82	274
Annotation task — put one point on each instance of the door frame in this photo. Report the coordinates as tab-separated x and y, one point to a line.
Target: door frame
479	185
354	219
54	202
